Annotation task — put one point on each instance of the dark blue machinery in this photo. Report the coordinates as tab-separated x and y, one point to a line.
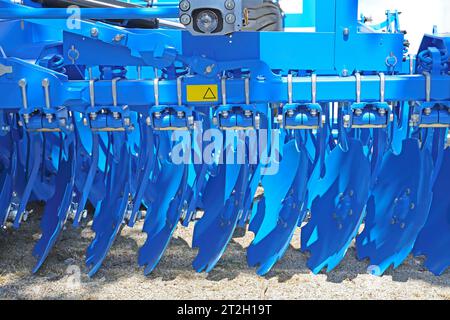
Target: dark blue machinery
186	109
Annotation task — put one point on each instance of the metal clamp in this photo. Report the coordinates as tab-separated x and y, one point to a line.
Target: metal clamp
23	88
290	89
314	88
156	87
114	90
382	86
428	86
358	87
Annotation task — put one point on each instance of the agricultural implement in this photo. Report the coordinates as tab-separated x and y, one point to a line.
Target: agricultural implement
180	113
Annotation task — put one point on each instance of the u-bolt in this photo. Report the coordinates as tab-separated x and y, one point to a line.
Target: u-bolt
223	83
179	91
314	88
290	89
358	87
382	86
247	90
427	86
114	90
156	87
45	85
23	88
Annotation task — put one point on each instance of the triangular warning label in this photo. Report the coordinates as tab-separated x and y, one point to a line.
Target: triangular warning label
209	95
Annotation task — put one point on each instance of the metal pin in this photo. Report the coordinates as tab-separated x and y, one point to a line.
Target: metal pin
156	87
428	86
314	87
247	90
382	86
411	64
358	87
23	88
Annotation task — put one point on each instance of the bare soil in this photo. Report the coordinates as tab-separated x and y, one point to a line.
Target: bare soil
63	276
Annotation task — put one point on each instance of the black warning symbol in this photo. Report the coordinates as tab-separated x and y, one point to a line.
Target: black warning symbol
209	95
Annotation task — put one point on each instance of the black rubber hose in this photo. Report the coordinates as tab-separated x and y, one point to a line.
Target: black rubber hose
140	23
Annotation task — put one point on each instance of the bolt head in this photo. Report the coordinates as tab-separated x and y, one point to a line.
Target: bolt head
94	32
45	82
230	18
346	32
185	19
118	37
229	4
185	5
208	69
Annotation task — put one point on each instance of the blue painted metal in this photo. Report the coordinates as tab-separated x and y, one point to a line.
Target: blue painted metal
88	116
89	13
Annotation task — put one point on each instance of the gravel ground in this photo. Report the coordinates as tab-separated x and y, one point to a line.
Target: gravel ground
63	275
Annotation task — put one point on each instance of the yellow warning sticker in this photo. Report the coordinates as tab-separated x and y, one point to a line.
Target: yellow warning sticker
202	93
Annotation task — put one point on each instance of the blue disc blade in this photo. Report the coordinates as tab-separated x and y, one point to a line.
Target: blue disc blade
163	215
280	212
397	208
338	200
110	215
56	209
434	239
223	203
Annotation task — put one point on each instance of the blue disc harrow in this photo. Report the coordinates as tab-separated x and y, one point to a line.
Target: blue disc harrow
226	115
